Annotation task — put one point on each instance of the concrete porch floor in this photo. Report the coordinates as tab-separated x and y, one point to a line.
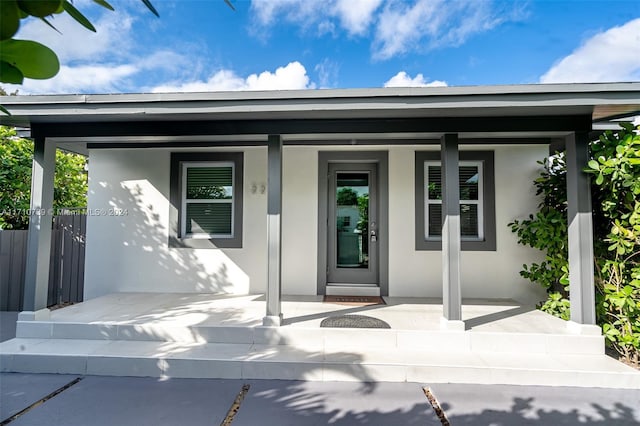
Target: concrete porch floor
221	336
301	311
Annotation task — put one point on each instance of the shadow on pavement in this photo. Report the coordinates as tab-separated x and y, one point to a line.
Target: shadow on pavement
523	413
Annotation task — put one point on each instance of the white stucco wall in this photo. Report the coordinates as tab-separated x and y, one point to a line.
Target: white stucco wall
483	273
130	253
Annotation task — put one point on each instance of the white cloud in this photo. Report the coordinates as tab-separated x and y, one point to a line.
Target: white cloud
74	42
268	12
106	61
90	62
428	24
290	77
327	71
398	26
612	55
402	79
100	78
354	16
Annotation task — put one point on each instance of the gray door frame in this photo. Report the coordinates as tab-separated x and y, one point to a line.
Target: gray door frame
381	159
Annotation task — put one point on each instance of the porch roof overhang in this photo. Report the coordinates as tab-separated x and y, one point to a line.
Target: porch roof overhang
479	114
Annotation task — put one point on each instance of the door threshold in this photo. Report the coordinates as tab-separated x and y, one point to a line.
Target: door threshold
352	290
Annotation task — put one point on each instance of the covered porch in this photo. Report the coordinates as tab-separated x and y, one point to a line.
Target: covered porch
269	335
222	336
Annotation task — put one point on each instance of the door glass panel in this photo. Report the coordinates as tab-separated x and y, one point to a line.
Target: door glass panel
352	220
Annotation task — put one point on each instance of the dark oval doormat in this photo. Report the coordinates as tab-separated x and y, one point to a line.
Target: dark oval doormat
353	321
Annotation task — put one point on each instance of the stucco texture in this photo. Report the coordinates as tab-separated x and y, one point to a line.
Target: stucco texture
130	252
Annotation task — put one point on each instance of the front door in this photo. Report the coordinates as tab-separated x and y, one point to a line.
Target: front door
352	216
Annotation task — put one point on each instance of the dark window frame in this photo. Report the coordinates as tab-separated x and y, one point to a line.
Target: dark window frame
176	240
486	158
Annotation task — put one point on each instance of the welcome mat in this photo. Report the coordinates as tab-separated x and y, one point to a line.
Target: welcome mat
354	300
353	321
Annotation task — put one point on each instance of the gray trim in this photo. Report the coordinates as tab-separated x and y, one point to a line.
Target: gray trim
296	125
36	280
451	294
573	89
189	144
491	103
382	159
489	203
274	231
581	264
518	100
292	141
396	141
175	239
629	114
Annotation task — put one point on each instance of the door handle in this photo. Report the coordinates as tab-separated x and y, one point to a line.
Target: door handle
374	233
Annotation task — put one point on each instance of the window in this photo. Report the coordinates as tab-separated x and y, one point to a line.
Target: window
206	200
470	200
477	217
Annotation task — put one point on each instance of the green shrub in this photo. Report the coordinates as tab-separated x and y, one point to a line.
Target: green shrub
615	164
16	157
547	231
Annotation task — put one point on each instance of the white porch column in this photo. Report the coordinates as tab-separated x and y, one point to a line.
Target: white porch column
581	262
274	233
451	294
36	282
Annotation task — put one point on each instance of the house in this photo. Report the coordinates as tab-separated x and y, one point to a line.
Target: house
399	192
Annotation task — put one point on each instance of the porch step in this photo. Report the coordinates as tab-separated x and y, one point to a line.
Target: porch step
327	338
309	362
352	290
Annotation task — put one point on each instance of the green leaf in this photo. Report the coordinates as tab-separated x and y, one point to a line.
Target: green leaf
150	7
104	4
39	8
10	74
9	19
594	165
4	110
50	25
33	59
599	179
79	17
627	126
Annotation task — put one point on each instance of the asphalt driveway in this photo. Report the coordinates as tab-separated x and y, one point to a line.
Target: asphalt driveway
150	401
56	400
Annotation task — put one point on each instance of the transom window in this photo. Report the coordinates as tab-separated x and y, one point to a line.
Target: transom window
471	208
207	205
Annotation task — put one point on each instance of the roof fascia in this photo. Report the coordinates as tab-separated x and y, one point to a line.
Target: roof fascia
314	126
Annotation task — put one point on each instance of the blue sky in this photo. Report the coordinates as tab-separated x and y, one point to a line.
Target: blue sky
203	45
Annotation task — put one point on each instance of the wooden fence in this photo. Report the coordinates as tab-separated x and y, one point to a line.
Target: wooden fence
66	270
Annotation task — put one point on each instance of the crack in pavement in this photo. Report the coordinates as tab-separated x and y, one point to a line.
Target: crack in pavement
40	401
436	406
235	407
